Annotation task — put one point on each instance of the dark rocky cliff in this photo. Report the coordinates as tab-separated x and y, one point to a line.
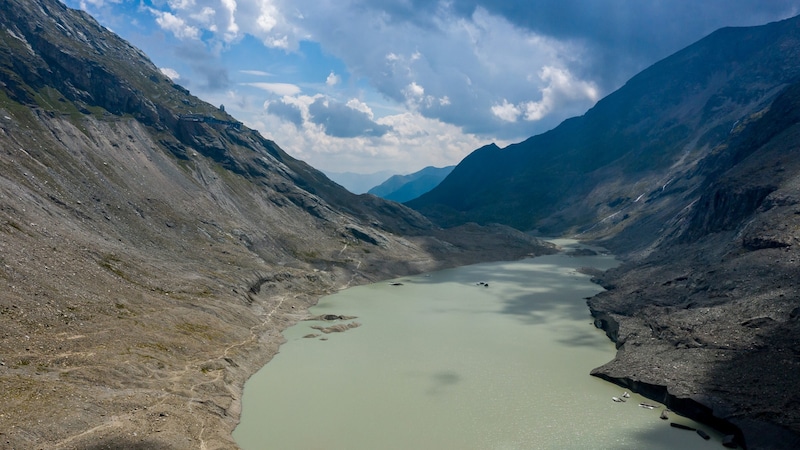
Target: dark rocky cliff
152	247
710	315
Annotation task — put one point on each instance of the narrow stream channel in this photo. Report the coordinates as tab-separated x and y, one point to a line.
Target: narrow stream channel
489	356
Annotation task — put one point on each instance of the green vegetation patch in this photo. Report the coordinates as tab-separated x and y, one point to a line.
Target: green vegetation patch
196	329
8	226
111	262
20	112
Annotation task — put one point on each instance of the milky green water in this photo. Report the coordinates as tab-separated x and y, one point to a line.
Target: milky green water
442	362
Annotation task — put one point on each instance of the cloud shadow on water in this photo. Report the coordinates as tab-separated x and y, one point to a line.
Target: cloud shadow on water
442	380
543	293
546	292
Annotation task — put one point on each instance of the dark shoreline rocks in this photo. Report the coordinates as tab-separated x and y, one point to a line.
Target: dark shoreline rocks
715	343
687	407
338	328
330	317
704	311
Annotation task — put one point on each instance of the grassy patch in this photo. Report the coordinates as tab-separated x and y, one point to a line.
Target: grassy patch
110	262
197	329
8	224
21	113
308	255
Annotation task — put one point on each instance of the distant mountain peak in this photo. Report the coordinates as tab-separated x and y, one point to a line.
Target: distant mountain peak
402	188
662	119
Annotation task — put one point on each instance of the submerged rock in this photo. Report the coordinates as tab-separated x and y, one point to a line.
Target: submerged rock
337	328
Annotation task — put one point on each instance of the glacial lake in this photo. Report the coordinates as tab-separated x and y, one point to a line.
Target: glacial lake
443	361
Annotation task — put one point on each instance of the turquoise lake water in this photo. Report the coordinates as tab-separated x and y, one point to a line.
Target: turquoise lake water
444	362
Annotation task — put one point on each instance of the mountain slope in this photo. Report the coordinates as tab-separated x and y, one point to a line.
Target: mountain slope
402	188
152	247
709	320
633	142
690	173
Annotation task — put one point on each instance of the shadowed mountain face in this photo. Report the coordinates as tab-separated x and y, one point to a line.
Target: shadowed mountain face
152	247
632	146
707	317
402	188
691	173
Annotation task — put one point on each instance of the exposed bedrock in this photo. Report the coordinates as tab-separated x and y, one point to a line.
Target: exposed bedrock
705	311
719	344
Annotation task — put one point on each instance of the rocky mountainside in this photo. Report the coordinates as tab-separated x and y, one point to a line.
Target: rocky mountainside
690	173
152	247
402	188
630	148
708	319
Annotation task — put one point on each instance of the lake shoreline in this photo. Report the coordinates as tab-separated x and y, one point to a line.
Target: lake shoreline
448	375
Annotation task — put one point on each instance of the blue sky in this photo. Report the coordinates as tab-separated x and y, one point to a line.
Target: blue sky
371	85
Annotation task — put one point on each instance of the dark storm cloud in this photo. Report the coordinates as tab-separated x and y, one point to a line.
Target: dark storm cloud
418	12
510	69
288	112
623	36
342	121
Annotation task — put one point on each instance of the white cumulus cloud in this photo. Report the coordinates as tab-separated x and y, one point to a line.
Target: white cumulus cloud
414	91
562	88
506	111
437	58
333	79
171	73
175	25
358	105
